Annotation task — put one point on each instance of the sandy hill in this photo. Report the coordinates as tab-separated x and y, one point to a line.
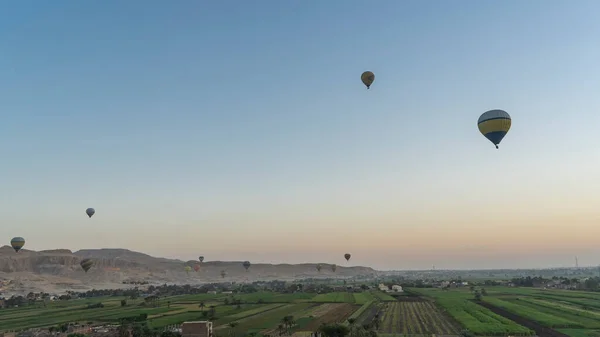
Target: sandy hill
58	270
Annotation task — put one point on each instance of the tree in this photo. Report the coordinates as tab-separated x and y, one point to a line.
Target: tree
288	322
123	303
123	330
334	330
483	292
232	326
477	295
466	333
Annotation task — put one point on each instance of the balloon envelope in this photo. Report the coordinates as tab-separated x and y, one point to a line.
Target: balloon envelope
367	78
201	258
494	125
318	267
223	273
86	264
17	243
246	264
347	256
196	267
333	267
90	212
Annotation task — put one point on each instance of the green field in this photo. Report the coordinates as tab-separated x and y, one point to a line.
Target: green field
260	310
575	313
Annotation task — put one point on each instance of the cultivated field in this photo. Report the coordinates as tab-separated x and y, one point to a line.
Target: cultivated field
415	317
519	310
503	311
254	312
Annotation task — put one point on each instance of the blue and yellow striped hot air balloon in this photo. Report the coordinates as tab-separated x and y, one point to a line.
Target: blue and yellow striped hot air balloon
494	125
17	243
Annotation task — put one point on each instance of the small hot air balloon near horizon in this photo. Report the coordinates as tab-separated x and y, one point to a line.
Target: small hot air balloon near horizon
201	259
90	211
333	267
494	125
223	273
319	267
187	269
367	78
246	265
347	256
17	243
196	267
86	264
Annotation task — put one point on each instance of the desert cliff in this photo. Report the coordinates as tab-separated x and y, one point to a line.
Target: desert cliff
56	271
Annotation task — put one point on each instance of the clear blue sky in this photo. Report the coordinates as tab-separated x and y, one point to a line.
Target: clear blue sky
236	129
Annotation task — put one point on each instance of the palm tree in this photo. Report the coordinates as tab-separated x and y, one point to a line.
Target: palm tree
288	322
202	305
232	326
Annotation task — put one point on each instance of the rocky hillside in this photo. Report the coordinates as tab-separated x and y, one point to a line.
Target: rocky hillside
59	269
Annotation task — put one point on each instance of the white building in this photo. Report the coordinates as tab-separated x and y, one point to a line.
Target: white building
384	288
397	288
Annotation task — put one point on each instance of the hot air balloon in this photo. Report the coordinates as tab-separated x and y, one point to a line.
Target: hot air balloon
201	258
333	267
187	269
90	211
367	78
494	125
86	264
246	265
196	267
17	243
347	256
319	267
223	273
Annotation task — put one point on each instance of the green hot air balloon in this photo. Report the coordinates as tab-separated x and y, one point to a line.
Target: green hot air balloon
17	243
246	265
187	269
367	78
86	264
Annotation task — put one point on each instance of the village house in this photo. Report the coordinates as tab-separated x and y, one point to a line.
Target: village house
397	288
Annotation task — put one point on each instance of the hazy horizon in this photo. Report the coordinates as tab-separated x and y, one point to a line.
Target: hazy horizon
240	130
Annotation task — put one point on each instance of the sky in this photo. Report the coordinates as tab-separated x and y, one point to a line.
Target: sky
240	130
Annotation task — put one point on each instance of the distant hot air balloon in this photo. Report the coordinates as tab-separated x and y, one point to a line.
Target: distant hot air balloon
90	211
333	267
223	273
201	258
17	243
319	267
86	264
367	78
494	125
196	267
246	265
187	269
347	256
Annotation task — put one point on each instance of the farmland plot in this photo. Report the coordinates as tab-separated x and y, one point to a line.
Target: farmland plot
311	319
334	313
416	318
